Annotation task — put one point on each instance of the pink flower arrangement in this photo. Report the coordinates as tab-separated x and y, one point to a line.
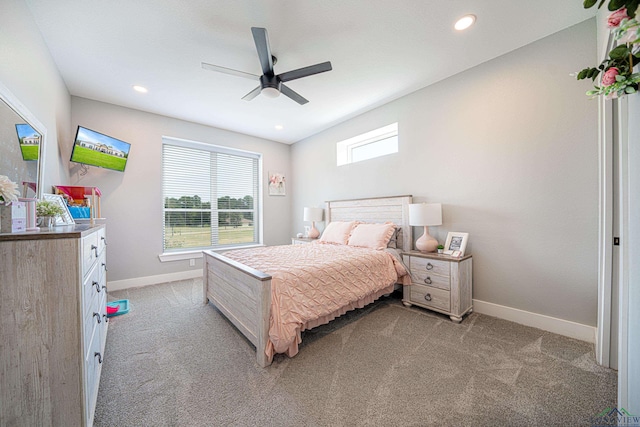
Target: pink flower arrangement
617	72
616	17
609	76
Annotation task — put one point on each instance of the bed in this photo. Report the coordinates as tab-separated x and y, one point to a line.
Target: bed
244	294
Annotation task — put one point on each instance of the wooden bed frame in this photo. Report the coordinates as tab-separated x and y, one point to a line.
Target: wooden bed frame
243	294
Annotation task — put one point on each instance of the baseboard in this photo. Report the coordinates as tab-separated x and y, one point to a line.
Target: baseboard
540	321
137	282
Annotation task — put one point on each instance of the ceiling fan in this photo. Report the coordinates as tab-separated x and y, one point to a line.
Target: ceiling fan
271	85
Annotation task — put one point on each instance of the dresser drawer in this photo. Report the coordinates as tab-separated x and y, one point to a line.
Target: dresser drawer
422	277
101	266
431	297
430	266
93	286
102	240
89	252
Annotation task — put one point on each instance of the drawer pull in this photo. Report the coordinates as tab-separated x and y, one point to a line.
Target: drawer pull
99	357
105	318
97	315
97	285
105	266
105	288
95	248
428	280
427	297
105	240
429	266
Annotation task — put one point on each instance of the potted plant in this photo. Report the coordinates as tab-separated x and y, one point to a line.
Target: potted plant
48	210
440	249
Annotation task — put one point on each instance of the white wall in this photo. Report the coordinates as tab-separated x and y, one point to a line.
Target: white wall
633	303
132	201
29	72
510	150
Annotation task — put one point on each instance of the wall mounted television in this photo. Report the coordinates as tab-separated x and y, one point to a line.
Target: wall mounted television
29	140
93	148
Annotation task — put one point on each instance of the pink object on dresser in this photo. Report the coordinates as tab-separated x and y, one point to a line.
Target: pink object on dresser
313	284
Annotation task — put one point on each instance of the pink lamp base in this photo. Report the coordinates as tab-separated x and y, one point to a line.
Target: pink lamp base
426	243
314	233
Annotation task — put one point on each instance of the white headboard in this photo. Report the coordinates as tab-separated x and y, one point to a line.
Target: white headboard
381	209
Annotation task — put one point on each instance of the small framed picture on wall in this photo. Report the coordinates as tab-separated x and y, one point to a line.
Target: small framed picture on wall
277	185
456	243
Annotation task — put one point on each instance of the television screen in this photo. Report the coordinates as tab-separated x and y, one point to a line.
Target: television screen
95	149
29	141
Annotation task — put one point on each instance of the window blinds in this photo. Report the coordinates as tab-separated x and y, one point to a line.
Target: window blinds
210	196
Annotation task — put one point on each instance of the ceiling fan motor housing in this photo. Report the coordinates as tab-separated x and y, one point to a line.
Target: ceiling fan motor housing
270	81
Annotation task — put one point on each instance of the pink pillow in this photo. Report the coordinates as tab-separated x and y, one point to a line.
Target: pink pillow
338	232
374	236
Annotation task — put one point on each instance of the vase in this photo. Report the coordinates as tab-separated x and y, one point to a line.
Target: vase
47	221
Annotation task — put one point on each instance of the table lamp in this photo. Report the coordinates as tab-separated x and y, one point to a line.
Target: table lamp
312	215
425	215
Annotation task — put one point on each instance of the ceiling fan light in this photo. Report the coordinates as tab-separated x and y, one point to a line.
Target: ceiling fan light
270	92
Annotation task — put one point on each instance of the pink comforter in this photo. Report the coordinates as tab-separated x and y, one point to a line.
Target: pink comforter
315	283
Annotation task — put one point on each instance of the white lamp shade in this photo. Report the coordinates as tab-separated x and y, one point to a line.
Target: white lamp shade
425	214
313	214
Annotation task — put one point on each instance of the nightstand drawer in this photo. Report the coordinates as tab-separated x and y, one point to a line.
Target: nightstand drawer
430	297
422	277
430	266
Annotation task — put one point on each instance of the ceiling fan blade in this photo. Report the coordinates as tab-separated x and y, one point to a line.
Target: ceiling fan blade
293	95
230	71
264	52
306	71
252	94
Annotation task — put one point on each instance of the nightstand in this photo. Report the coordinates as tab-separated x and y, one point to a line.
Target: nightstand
440	283
301	240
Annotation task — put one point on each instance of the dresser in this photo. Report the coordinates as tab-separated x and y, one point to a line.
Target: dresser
53	325
439	282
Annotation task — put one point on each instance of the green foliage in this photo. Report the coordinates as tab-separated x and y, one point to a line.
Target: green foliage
193	211
48	208
614	5
623	57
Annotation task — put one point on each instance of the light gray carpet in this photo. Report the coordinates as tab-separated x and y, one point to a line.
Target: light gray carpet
173	361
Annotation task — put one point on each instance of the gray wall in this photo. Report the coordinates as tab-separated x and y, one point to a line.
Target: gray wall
132	201
510	150
28	71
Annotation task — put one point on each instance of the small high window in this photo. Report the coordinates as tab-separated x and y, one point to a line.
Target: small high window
376	143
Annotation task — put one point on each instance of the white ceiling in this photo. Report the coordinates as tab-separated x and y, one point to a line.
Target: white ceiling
380	50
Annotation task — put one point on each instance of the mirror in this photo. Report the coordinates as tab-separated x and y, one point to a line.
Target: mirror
21	145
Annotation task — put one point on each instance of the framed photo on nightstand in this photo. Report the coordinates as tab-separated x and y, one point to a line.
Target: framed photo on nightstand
456	243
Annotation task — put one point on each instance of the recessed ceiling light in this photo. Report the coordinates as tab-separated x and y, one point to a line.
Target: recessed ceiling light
279	127
465	22
140	89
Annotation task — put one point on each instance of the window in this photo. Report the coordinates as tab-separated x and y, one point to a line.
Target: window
376	143
210	195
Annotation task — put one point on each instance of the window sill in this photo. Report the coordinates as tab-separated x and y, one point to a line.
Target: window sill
180	256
